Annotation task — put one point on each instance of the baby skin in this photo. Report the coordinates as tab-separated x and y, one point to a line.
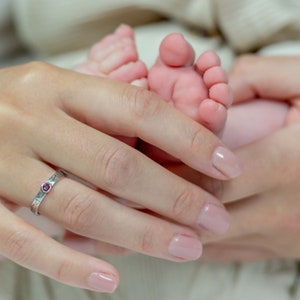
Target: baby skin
197	87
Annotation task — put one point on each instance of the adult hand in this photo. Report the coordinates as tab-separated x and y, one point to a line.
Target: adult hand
274	78
52	118
264	201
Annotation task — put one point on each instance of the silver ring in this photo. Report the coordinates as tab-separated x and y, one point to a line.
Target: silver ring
45	188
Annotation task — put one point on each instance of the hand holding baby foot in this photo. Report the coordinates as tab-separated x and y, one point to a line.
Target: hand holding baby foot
70	127
263	201
199	90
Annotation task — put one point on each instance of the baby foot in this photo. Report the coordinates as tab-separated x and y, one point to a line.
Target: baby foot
116	57
199	90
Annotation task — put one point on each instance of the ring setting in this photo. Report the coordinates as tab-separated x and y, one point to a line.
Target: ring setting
45	188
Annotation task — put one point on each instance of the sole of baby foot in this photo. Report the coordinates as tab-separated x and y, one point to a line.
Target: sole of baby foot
189	86
198	89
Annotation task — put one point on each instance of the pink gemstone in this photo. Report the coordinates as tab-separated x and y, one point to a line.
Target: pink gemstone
46	187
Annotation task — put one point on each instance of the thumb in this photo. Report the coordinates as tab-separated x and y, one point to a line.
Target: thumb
275	78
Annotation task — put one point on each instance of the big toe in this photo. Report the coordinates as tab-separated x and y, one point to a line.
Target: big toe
175	51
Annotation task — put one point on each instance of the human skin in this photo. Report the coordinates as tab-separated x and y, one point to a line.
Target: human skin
264	201
54	117
247	121
194	85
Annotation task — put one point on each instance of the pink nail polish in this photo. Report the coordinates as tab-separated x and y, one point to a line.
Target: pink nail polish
214	218
185	247
102	282
226	162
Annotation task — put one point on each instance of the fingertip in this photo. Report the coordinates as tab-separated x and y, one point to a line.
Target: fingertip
226	162
103	282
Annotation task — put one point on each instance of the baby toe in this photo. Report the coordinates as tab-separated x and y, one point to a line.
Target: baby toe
130	72
212	115
214	75
221	93
175	51
207	60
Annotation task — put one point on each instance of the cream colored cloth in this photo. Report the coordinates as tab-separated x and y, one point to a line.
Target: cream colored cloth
57	26
8	39
145	278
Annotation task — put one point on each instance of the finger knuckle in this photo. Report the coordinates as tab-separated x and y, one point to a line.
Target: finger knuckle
146	240
79	213
21	101
20	75
32	73
184	205
64	269
19	96
119	167
196	138
143	104
17	246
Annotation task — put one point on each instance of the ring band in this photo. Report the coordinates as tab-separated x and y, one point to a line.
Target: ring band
45	188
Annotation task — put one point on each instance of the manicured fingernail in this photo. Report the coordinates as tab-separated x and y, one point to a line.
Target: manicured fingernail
185	247
102	282
226	162
214	218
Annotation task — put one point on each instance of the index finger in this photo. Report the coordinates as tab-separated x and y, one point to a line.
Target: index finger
122	109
